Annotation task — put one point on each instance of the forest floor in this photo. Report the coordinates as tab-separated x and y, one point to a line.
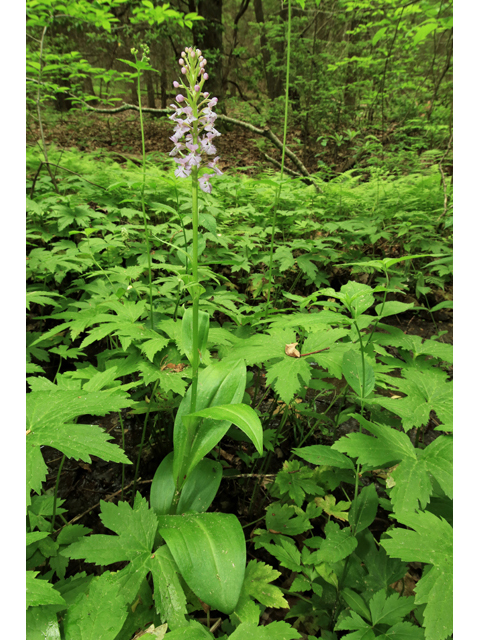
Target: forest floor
82	485
119	136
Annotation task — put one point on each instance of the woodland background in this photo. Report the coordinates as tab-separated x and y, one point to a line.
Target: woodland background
370	80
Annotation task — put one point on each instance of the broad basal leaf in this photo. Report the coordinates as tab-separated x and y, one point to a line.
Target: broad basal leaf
209	549
218	384
241	415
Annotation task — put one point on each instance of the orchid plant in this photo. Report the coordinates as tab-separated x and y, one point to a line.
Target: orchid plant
185	482
199	119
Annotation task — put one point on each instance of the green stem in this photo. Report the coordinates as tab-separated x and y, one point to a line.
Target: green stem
123	447
381	309
266	460
137	467
55	494
147	242
277	196
195	293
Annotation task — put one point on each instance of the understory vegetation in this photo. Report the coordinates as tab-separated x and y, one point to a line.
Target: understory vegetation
239	393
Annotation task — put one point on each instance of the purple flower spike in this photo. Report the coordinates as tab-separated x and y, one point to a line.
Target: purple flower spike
205	184
191	109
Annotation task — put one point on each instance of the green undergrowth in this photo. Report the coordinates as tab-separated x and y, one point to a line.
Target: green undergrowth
316	352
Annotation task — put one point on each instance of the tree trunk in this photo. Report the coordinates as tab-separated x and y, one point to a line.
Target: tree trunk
208	37
274	80
150	89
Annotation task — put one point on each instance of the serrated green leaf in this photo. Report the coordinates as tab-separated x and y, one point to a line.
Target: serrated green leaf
389	610
359	374
288	375
98	616
286	519
321	454
307	266
42	624
262	347
136	532
403	631
364	509
258	575
426	390
170	600
295	480
273	631
438	458
79	441
286	553
331	508
41	592
338	544
151	347
356	602
431	541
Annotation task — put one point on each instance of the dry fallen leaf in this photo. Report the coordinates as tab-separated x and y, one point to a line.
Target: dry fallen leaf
291	351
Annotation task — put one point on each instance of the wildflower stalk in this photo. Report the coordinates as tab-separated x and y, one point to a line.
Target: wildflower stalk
139	95
199	118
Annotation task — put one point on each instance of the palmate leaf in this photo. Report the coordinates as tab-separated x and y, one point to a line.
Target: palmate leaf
431	541
258	576
136	533
261	347
426	390
410	479
47	416
338	544
273	631
287	376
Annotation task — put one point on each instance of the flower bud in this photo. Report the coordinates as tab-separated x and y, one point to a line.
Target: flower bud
184	70
180	98
197	88
175	84
181	61
198	52
205	76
